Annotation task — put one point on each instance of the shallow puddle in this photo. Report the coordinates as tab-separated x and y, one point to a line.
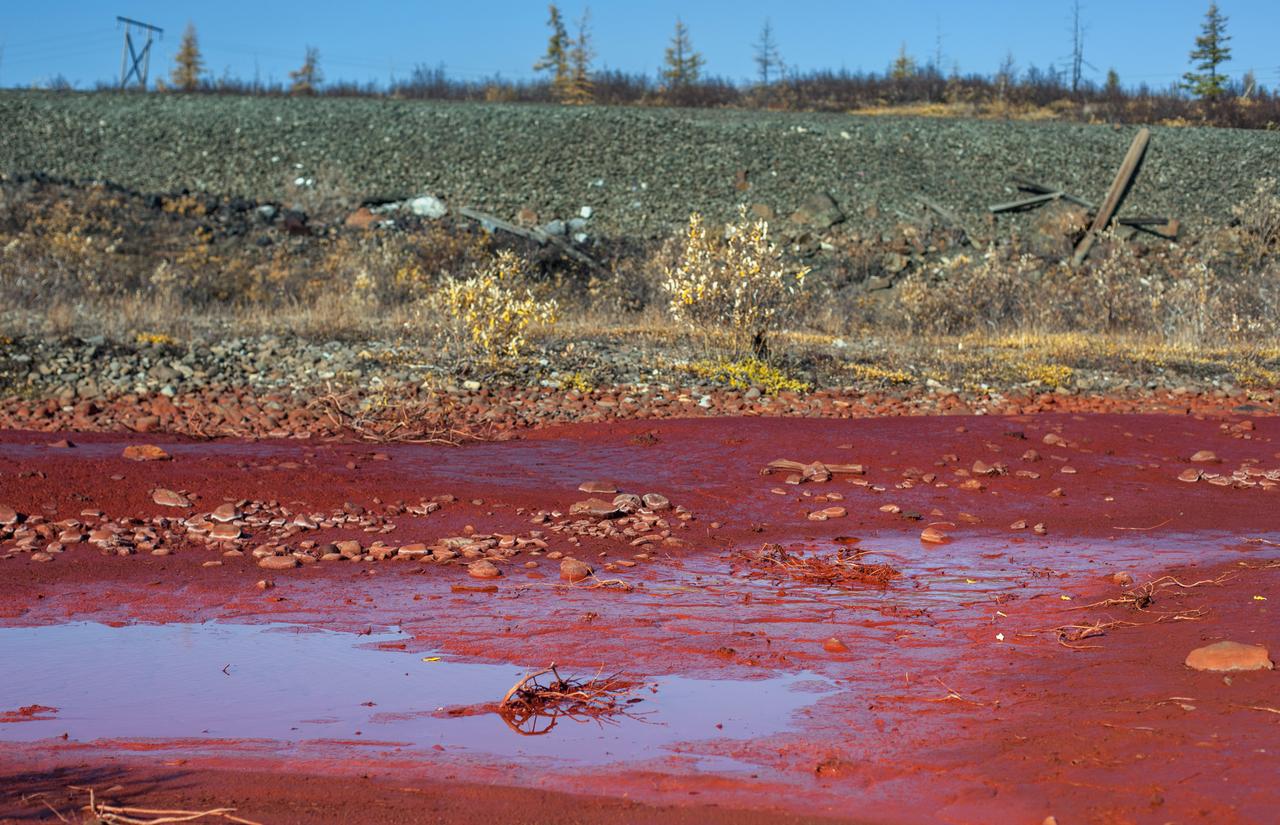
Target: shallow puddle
290	683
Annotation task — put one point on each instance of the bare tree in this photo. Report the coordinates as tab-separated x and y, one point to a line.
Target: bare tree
767	57
1078	29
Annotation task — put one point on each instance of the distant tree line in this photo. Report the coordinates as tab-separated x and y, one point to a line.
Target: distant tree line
566	74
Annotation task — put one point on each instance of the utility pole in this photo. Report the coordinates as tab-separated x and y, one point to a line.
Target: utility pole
134	63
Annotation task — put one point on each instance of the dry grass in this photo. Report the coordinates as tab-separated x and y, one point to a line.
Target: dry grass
98	261
844	569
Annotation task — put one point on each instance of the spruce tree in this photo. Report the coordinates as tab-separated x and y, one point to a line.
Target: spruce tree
683	65
580	91
1211	52
188	64
556	60
904	66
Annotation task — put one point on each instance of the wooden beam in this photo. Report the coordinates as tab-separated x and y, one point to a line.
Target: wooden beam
1119	188
533	234
1041	189
1167	228
1025	203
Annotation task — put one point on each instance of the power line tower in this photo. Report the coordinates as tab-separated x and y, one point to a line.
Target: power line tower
134	63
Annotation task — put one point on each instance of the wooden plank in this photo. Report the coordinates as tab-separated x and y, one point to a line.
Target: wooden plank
1119	188
1025	203
1041	189
1167	228
534	234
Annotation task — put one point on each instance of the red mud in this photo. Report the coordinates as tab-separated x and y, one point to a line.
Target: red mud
957	701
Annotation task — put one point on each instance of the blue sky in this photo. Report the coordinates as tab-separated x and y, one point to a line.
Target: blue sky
1145	40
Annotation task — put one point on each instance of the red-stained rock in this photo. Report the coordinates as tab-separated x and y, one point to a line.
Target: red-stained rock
1229	656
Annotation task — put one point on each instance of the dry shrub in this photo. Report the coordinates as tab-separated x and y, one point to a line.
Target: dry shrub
738	284
495	309
1190	294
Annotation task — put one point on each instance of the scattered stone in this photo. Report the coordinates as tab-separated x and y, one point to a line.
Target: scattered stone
1229	656
655	501
483	569
1122	578
8	516
62	444
278	562
596	508
1191	476
362	218
834	645
429	207
168	498
224	532
819	212
265	584
935	534
145	452
599	487
574	571
225	512
1204	457
627	502
41	556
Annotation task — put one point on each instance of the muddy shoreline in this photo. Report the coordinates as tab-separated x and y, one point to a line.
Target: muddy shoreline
965	690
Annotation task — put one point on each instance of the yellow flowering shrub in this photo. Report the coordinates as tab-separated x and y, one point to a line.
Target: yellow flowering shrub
737	283
747	373
494	309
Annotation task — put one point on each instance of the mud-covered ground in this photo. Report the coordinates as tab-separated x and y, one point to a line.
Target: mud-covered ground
963	619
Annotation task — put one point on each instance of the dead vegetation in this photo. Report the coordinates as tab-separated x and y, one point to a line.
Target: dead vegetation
90	260
535	704
380	419
844	569
1140	599
101	812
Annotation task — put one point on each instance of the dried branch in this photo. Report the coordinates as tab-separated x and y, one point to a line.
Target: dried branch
844	568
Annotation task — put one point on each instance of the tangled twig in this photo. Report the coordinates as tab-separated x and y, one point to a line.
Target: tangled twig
530	701
844	568
117	815
410	422
1142	596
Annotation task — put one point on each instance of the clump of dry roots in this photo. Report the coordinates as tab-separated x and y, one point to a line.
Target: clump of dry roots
383	419
535	704
844	568
117	815
1140	599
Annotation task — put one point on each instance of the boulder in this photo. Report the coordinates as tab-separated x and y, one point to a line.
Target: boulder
428	206
819	212
1228	656
1056	229
574	571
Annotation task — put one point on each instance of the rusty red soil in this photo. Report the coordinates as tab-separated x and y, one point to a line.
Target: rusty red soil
1004	676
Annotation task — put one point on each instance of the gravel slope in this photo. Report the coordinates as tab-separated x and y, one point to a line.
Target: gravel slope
641	170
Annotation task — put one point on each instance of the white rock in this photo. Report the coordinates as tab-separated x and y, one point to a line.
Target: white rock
428	206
